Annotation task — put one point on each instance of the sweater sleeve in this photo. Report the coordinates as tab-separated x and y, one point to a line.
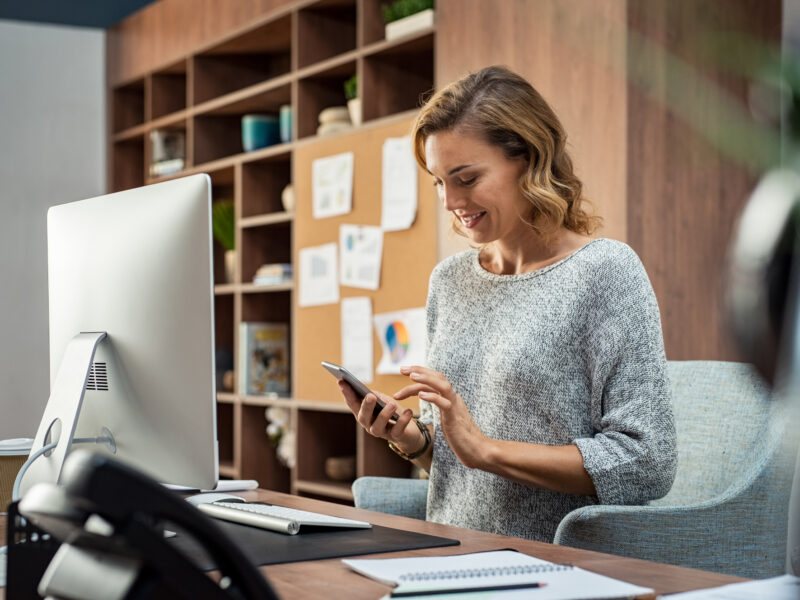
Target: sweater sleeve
631	458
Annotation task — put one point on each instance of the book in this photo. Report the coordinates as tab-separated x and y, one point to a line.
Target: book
166	167
506	573
263	359
273	274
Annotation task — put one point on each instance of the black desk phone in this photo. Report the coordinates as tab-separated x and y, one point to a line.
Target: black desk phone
110	520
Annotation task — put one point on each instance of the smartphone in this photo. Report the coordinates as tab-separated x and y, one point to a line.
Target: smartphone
358	386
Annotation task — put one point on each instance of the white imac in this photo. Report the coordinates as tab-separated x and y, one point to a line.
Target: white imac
132	333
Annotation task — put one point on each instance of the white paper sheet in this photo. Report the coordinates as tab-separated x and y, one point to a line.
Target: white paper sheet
361	253
402	335
318	277
399	184
332	185
357	337
486	569
785	587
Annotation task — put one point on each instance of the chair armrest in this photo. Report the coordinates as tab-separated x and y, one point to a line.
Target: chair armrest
393	495
717	535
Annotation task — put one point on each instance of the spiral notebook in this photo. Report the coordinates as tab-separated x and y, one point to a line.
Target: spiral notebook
501	574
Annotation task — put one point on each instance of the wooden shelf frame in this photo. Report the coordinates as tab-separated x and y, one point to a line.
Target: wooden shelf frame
289	57
393	76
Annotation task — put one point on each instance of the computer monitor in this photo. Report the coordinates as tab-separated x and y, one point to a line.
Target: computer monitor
132	333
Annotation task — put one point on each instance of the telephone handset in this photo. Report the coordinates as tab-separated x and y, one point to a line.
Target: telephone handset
110	519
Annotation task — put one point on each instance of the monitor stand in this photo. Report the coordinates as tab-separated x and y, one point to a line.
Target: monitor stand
63	408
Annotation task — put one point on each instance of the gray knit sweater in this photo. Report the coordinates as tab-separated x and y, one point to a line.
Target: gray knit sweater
571	353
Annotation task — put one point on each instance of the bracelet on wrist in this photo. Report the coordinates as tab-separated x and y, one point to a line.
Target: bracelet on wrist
426	435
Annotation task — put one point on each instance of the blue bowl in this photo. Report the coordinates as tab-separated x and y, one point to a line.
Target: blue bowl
259	131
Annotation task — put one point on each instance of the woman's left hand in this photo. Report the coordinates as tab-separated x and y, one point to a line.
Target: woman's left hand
462	434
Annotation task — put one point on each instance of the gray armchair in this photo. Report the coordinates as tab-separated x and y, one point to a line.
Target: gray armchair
727	510
393	495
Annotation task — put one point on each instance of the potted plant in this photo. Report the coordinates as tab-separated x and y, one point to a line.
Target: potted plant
407	16
224	227
353	101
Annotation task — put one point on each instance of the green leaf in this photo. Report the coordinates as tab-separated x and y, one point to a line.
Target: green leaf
399	9
223	223
351	88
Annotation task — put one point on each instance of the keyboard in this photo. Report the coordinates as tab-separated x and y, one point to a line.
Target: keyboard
275	518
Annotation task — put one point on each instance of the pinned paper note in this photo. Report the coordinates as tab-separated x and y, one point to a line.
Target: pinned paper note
402	335
318	277
361	252
399	184
332	185
357	337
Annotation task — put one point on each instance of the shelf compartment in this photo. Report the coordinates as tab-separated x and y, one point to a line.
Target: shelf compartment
334	434
128	105
262	184
318	91
275	307
375	458
397	75
225	434
267	97
169	134
168	90
373	29
264	245
259	459
221	182
222	189
128	163
258	55
324	30
218	129
224	340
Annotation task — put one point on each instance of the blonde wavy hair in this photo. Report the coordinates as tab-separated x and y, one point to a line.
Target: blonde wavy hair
506	111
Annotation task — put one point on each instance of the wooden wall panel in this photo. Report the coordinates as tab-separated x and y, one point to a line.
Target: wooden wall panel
661	188
684	195
573	52
408	258
170	29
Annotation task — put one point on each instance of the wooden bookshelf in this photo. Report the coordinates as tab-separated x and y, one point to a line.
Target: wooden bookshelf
299	54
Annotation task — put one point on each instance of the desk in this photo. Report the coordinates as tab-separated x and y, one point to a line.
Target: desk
332	579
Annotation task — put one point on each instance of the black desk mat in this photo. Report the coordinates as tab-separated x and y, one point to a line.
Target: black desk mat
269	548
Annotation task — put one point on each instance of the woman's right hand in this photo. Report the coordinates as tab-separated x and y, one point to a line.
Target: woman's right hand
407	439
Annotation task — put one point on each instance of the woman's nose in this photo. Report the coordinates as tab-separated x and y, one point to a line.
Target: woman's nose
451	198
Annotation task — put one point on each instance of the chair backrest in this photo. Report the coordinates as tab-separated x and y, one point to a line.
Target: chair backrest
725	422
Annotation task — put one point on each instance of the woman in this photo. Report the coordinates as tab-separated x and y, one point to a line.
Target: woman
546	386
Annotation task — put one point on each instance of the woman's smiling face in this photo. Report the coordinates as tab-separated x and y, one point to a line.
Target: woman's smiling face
478	184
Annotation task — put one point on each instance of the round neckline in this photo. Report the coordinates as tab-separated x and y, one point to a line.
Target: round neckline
476	263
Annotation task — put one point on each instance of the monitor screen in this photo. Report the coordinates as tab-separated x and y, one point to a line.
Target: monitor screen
130	280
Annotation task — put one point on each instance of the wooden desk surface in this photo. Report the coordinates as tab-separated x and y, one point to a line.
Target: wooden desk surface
332	579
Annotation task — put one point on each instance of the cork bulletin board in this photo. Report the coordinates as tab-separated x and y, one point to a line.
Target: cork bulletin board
408	257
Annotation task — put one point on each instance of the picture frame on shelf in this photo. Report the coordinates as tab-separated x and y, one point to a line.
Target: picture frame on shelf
167	152
264	359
